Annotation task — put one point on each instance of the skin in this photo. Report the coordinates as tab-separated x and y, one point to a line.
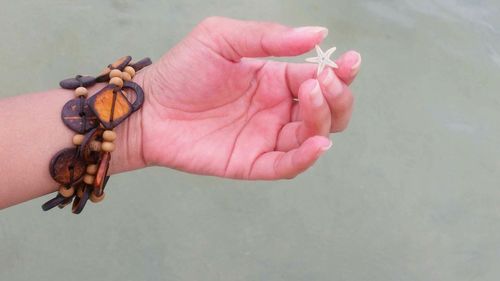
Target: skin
211	107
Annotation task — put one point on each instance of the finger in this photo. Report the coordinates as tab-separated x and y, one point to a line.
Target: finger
287	165
339	99
316	118
348	67
235	39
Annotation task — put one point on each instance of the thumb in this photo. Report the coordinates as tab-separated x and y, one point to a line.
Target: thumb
235	39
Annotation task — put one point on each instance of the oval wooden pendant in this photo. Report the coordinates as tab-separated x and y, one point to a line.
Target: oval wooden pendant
77	116
110	106
102	171
118	64
66	167
78	81
53	202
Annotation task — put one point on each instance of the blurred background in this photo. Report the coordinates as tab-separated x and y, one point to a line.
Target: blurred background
411	191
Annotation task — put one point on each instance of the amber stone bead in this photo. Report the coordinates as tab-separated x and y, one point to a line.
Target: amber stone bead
78	139
108	146
66	192
96	199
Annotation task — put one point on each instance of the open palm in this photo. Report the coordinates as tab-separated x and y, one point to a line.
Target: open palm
210	109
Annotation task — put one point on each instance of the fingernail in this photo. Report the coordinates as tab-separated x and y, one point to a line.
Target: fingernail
356	63
313	29
316	96
325	148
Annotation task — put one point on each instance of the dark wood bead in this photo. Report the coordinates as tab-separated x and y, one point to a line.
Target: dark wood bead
118	64
66	202
77	115
78	81
110	106
67	167
53	202
141	64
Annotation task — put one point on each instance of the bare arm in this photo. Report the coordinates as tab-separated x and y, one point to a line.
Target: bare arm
228	116
31	132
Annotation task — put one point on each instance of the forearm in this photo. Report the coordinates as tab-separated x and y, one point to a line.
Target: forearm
31	132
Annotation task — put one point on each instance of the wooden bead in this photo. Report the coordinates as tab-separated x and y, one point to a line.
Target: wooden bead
116	81
66	192
78	139
130	70
88	179
108	146
109	135
96	199
115	73
95	145
126	76
81	91
92	169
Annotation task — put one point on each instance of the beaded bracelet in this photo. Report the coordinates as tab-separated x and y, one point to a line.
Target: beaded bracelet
82	170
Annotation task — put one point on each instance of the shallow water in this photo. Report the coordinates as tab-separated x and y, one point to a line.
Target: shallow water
410	192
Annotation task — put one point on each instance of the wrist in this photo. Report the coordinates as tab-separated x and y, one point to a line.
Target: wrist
128	154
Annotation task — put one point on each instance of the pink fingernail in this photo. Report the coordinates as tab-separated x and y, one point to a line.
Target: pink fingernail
316	96
356	64
313	29
325	148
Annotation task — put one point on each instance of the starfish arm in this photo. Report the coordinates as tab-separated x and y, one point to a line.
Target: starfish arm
330	51
331	63
313	60
319	51
321	67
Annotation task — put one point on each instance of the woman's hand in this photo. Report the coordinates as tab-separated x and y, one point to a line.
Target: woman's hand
211	109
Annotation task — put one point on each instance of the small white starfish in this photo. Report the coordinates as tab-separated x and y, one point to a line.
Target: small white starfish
323	59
